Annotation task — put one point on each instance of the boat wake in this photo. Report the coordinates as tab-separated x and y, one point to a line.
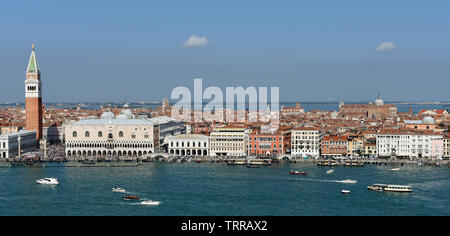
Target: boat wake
430	185
322	180
347	181
150	203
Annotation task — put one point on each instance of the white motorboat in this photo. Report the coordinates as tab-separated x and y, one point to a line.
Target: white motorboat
395	169
48	181
348	181
150	203
330	171
345	191
118	190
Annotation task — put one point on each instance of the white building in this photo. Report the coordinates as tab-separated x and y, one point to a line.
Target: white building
9	143
409	144
111	136
188	145
229	141
305	141
447	146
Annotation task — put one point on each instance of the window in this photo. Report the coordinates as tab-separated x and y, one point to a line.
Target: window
86	134
100	134
121	134
146	136
110	135
133	135
74	134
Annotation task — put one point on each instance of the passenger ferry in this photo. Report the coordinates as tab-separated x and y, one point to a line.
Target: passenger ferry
260	162
354	163
327	163
236	162
390	188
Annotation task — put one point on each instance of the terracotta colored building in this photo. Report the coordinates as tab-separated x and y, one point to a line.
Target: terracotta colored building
266	144
33	97
334	145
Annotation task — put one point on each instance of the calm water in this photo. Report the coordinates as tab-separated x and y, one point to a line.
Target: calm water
217	189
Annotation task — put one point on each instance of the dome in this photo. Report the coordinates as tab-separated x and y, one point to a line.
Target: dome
428	120
128	113
379	102
107	115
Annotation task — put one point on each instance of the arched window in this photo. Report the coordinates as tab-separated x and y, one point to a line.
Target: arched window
74	134
133	135
121	134
110	135
146	136
86	134
100	134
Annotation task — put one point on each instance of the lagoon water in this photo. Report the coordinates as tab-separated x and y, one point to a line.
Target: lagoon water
218	189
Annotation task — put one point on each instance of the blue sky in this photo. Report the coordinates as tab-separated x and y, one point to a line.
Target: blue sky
108	51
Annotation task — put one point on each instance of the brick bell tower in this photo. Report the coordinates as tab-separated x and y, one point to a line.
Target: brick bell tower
33	96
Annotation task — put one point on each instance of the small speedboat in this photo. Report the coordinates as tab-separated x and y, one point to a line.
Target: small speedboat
331	171
118	190
345	191
395	169
292	172
131	198
48	181
150	203
348	181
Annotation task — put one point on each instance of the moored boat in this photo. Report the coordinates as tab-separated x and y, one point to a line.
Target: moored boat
330	171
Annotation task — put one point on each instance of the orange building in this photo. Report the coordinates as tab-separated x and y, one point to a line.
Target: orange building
267	144
334	145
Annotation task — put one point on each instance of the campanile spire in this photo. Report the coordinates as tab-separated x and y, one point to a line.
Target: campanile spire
33	96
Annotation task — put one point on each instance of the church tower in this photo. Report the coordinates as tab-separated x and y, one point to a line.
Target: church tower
33	96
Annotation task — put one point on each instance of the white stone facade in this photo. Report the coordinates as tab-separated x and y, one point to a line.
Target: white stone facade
305	141
229	142
9	143
188	145
110	136
410	145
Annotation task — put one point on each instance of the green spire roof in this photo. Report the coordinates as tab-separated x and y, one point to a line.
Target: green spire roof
32	64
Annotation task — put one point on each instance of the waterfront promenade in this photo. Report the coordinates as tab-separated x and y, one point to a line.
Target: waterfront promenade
135	161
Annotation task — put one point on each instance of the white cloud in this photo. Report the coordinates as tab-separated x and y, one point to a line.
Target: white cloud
386	46
195	41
